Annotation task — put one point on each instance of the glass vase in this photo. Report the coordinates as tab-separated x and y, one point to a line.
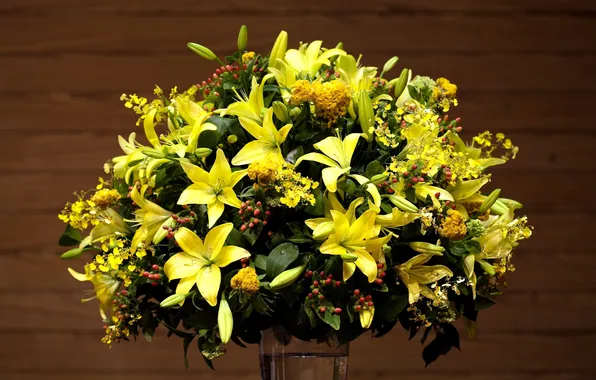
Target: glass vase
284	357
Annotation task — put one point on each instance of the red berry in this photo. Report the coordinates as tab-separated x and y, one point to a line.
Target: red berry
243	227
257	212
415	179
309	273
270	233
322	274
145	274
155	267
357	292
264	222
249	208
380	265
328	281
203	83
267	212
243	205
315	284
216	93
322	297
370	303
235	76
315	291
338	283
330	276
240	212
447	203
368	297
124	292
458	129
259	203
251	225
406	174
245	66
209	80
151	276
175	217
358	308
383	274
123	306
156	276
310	295
378	281
207	91
338	310
458	120
437	195
244	265
361	300
228	68
256	221
154	283
322	309
446	119
414	167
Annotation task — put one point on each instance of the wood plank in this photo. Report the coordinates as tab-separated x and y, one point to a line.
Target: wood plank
515	310
78	352
553	272
526	186
79	73
527	112
188	7
68	151
443	32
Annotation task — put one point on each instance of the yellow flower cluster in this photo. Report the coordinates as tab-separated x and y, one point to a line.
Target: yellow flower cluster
105	198
120	329
295	188
330	99
246	280
142	107
263	173
81	214
381	129
444	93
454	226
485	142
248	56
115	260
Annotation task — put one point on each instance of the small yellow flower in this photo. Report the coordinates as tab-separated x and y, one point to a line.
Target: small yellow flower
105	198
246	280
248	56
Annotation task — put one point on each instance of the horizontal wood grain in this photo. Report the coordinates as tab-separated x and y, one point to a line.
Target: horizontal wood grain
96	112
68	151
552	313
555	272
189	8
76	352
444	33
76	73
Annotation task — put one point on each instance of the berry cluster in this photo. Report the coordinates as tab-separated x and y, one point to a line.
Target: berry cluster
380	274
320	282
415	175
121	306
214	84
153	275
386	186
446	125
360	301
252	213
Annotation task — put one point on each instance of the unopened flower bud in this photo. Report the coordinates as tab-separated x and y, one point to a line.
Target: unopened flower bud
173	300
242	38
202	51
225	321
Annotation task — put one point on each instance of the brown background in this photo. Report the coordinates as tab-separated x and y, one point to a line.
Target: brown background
525	67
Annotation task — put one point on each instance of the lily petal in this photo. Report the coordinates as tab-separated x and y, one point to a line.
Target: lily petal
215	239
198	193
214	211
195	173
190	243
317	157
208	281
228	196
229	254
182	265
330	176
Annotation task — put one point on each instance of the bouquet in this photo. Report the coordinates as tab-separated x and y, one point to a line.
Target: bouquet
299	189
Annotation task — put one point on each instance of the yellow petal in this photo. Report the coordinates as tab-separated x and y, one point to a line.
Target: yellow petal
333	147
78	276
229	254
371	188
186	284
366	317
190	243
426	274
198	193
348	270
182	265
253	151
220	171
195	173
366	264
149	127
317	157
332	246
251	126
214	211
341	222
363	226
330	176
413	290
283	133
236	177
349	145
215	239
208	281
228	197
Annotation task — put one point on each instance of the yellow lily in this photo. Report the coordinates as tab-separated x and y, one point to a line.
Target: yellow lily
105	288
415	275
395	219
308	59
357	78
267	146
186	138
213	189
323	227
133	154
285	77
151	217
337	156
355	240
249	107
200	261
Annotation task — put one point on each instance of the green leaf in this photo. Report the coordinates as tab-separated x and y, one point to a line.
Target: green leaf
482	302
390	310
260	305
235	238
261	262
311	315
186	342
252	234
373	168
319	208
329	318
300	239
75	252
458	249
472	246
279	259
70	237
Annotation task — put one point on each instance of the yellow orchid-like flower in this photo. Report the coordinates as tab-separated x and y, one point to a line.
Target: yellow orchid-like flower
151	217
214	189
111	223
323	227
395	219
267	146
105	287
415	275
200	262
308	59
337	156
354	242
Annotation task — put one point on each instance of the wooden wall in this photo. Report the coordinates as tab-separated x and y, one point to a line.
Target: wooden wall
524	67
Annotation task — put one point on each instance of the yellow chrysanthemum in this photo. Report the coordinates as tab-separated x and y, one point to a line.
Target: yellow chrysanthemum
263	172
246	280
454	226
105	198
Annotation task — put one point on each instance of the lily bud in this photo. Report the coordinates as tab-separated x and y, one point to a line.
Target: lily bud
489	269
498	208
225	321
349	257
366	317
202	51
489	201
402	203
202	152
281	111
279	49
378	178
154	153
401	83
163	232
366	113
72	253
172	300
423	247
242	38
511	203
232	139
389	64
322	232
286	278
295	112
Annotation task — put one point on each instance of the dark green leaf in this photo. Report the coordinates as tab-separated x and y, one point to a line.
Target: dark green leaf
373	168
328	317
300	239
252	234
387	208
311	315
482	302
70	237
186	342
279	259
451	335
390	310
472	246
319	207
261	262
237	340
